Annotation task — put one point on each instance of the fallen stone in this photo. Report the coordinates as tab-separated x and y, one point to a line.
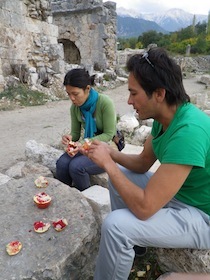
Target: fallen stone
205	79
43	154
128	123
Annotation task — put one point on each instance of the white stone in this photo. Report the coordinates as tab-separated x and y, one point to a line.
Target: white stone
128	122
33	78
99	199
132	149
141	134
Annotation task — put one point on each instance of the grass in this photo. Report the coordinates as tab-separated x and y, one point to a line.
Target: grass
21	96
145	267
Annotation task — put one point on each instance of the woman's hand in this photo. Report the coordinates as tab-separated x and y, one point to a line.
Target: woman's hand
66	139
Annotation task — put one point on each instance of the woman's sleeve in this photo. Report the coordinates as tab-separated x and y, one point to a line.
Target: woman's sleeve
75	124
108	118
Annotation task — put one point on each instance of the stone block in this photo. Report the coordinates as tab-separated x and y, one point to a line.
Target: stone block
99	199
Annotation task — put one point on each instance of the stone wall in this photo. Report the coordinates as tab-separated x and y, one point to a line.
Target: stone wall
29	48
40	38
88	30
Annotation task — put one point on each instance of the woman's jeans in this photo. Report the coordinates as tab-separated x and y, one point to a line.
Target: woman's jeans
177	225
76	170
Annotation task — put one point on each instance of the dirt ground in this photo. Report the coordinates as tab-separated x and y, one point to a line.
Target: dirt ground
48	122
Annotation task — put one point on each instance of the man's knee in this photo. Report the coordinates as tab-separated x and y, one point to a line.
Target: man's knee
114	222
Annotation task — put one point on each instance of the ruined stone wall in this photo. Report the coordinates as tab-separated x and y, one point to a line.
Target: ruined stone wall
40	38
28	47
90	26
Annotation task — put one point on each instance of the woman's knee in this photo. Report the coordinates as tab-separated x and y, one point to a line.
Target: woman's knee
77	166
63	161
62	166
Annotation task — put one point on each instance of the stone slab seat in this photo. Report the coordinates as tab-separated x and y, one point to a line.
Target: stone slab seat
69	254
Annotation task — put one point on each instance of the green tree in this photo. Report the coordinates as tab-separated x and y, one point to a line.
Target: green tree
139	45
200	28
150	37
200	46
193	24
132	42
185	33
198	37
208	25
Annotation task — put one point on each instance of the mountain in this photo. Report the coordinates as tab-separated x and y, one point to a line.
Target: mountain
132	24
174	19
133	27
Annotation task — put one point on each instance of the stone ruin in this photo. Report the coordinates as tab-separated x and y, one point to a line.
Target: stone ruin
42	39
87	30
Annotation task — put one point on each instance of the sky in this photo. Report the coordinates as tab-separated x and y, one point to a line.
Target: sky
155	6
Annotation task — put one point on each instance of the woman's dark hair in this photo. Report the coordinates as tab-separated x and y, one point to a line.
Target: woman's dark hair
155	69
78	77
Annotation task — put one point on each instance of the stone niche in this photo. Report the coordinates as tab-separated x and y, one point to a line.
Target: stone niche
87	30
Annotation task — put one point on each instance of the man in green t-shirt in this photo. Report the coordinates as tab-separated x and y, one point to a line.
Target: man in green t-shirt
170	208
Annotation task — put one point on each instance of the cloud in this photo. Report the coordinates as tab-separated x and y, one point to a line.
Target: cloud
153	6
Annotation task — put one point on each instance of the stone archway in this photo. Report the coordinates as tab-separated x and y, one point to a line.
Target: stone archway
71	52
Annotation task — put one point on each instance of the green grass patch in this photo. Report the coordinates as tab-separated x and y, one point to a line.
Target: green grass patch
21	96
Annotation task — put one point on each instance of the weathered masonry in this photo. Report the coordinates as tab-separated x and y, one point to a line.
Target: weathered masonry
40	38
87	30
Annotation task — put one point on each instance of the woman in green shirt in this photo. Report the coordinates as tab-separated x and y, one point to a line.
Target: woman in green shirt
93	112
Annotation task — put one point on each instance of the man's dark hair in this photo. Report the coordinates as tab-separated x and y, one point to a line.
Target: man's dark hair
155	69
78	77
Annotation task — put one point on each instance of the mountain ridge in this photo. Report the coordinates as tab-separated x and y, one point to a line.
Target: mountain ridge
165	22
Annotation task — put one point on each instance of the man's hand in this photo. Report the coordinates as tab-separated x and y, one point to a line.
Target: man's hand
100	153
